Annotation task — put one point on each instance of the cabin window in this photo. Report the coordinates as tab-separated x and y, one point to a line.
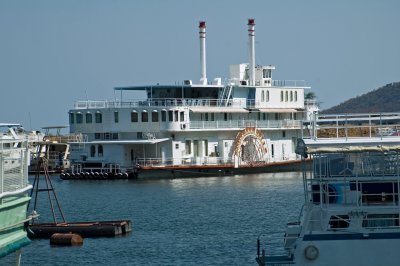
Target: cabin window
295	96
381	220
225	116
264	116
116	118
281	96
176	116
139	135
134	116
262	96
88	118
154	116
145	116
176	145
267	98
182	116
339	221
272	151
188	147
71	118
92	151
100	151
286	96
98	117
170	116
212	116
163	116
276	116
283	134
205	116
291	96
97	135
79	118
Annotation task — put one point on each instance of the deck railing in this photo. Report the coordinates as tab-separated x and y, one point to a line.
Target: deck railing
13	166
296	124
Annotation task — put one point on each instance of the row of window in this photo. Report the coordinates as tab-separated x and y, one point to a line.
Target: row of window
288	96
171	116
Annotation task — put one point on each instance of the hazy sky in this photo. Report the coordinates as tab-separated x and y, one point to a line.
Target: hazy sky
53	53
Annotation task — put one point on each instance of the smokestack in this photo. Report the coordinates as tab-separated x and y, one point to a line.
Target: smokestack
252	66
202	33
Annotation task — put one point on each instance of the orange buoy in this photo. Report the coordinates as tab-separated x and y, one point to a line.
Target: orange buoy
68	239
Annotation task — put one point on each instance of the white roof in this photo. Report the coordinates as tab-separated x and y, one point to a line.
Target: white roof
138	141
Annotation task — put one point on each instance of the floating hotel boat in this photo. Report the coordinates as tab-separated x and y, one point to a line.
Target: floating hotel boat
249	123
14	187
351	210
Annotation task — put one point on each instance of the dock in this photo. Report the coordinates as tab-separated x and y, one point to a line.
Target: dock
84	229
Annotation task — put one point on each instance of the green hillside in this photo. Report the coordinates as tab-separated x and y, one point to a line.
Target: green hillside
384	99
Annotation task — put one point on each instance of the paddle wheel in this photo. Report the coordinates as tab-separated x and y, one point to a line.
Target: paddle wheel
250	146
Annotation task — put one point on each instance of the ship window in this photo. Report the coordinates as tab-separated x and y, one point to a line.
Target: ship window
176	116
139	135
154	116
262	96
286	96
206	117
182	116
267	98
339	221
176	145
291	96
381	220
98	117
88	118
212	117
283	134
276	116
281	96
188	147
116	118
97	135
170	116
225	116
264	116
295	96
79	118
272	151
163	116
71	118
134	116
145	116
92	151
100	151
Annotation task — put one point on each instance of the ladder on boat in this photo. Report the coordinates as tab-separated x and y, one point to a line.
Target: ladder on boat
225	95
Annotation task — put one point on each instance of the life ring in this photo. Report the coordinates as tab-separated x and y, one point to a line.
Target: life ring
311	252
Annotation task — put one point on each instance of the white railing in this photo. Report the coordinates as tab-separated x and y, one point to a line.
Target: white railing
13	166
245	123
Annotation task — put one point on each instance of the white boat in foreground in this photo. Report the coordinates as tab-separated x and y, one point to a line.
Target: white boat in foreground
14	199
351	210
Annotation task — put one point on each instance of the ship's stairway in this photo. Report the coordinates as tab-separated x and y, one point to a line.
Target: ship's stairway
225	95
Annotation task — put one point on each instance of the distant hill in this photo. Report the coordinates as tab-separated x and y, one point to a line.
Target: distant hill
384	99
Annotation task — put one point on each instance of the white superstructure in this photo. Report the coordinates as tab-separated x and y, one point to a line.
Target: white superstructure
250	119
351	210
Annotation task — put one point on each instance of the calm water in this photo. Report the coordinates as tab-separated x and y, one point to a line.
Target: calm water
196	221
